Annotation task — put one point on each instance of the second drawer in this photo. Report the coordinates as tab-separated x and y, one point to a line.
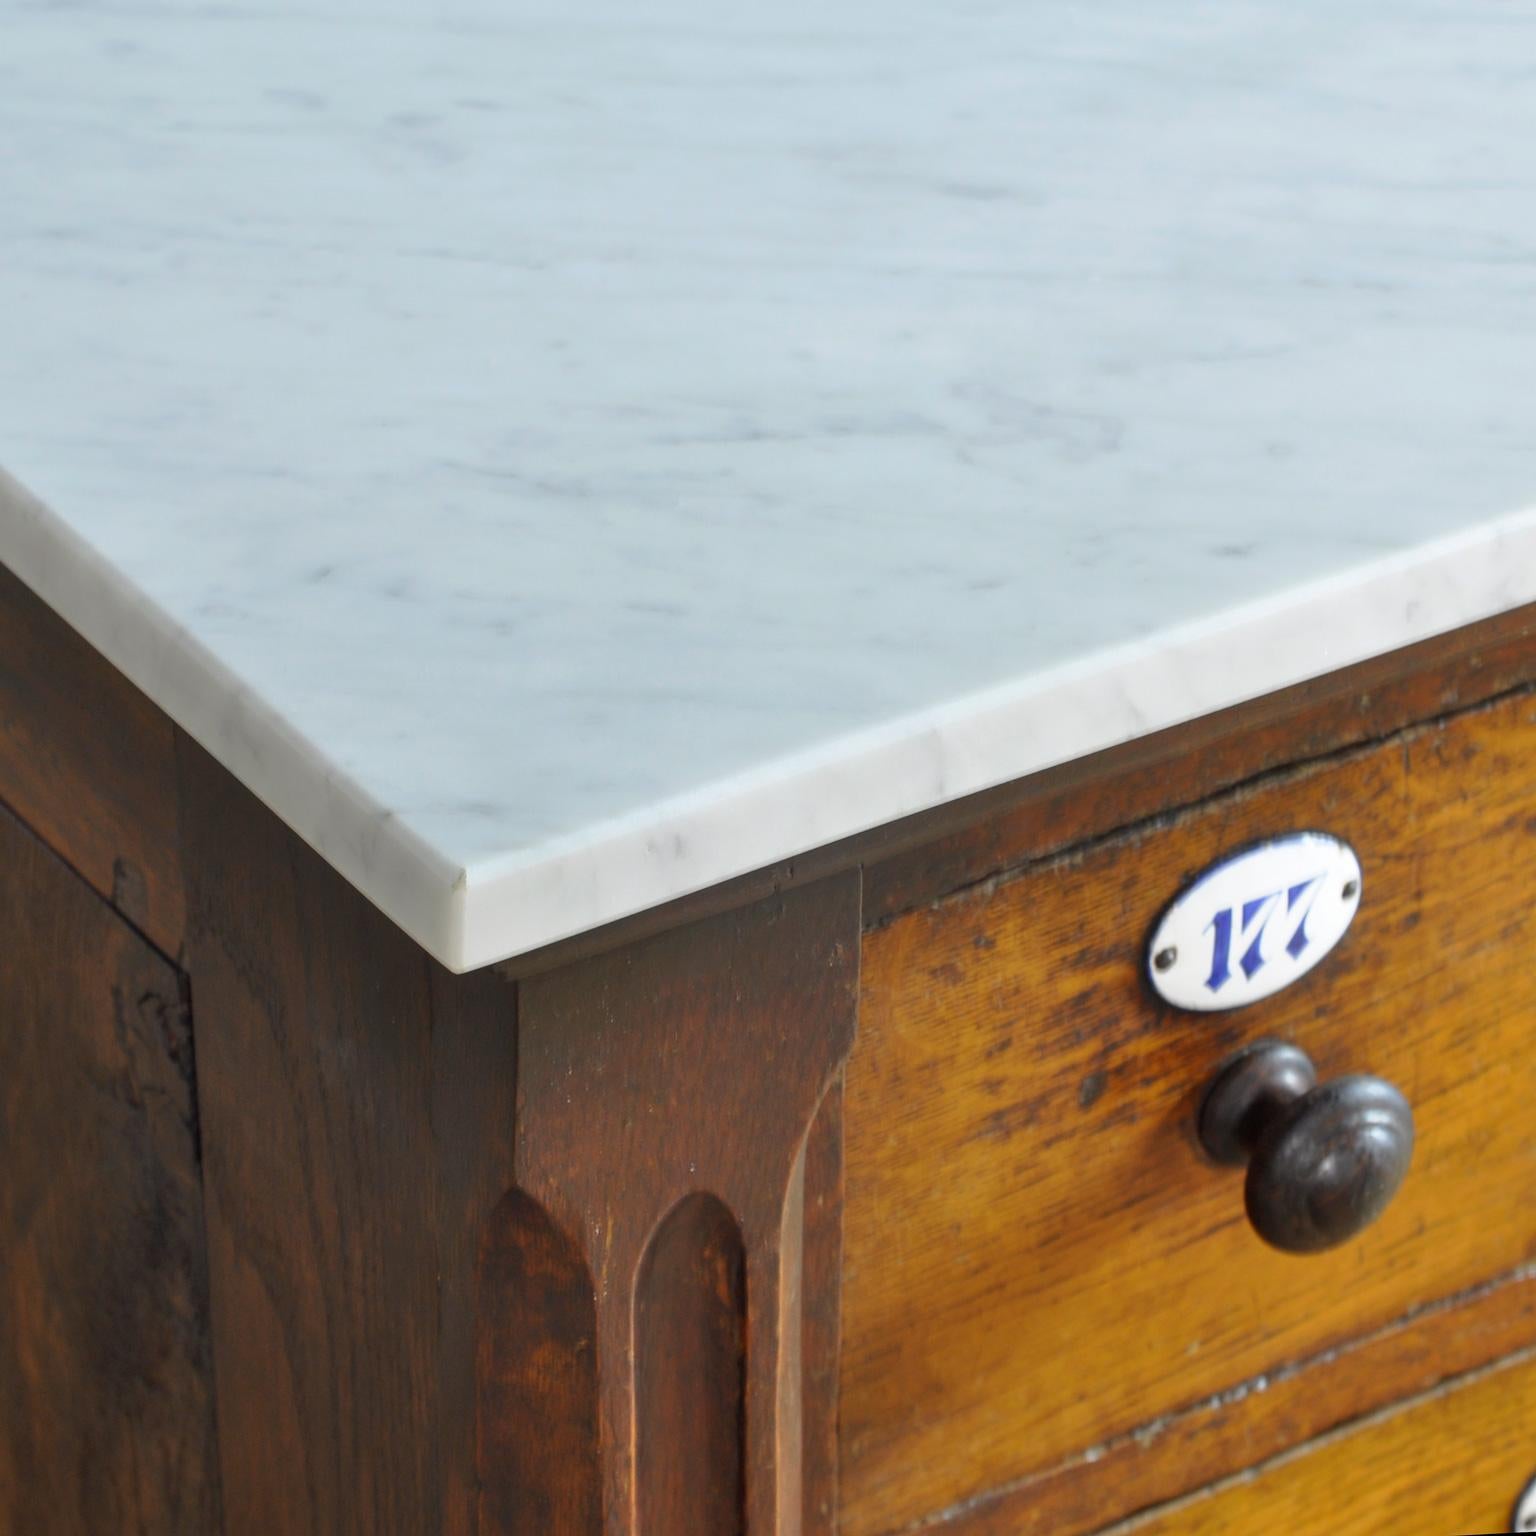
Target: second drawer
1459	1461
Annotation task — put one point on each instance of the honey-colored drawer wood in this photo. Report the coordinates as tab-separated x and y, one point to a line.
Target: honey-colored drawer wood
1037	1258
1450	1464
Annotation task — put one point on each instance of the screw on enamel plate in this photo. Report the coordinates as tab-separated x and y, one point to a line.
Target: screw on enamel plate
1254	921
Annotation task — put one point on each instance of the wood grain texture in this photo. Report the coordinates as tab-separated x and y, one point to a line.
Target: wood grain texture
1021	1173
693	1064
357	1112
690	1373
89	764
536	1434
106	1397
1449	1464
1303	1399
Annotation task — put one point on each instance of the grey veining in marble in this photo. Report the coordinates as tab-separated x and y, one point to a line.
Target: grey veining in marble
563	454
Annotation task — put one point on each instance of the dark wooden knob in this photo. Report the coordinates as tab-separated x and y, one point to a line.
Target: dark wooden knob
1323	1160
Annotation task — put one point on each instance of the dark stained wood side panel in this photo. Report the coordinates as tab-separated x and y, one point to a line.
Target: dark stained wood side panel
106	1398
358	1115
89	764
466	1154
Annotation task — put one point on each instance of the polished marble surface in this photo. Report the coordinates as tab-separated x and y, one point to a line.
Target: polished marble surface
562	455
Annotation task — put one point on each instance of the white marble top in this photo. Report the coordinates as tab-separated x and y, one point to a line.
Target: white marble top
563	453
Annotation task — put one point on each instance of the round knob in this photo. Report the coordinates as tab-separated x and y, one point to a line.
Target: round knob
1323	1161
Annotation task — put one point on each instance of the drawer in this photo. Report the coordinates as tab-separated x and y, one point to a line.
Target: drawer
1454	1463
1039	1263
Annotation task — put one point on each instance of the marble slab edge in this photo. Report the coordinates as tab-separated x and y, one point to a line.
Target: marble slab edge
512	904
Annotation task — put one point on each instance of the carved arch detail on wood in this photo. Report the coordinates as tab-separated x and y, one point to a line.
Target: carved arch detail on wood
690	1373
667	1116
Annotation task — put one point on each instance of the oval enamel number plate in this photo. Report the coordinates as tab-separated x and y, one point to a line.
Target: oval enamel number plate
1255	922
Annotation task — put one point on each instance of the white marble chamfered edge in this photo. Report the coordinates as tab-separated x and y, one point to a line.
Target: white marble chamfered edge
510	905
984	739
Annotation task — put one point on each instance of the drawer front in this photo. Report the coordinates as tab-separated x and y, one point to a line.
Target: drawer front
1038	1259
1452	1464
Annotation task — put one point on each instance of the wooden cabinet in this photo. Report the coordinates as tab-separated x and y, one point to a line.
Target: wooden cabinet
617	621
621	1238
